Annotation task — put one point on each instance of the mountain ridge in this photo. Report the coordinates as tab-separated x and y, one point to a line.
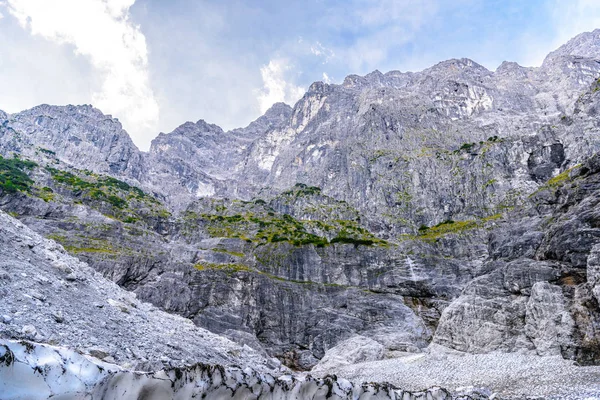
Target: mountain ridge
411	208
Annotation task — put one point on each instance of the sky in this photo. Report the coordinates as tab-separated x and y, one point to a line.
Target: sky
155	64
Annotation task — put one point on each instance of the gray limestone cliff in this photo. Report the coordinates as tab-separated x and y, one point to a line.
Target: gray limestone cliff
453	206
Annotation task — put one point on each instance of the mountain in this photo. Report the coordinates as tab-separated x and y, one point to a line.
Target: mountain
50	296
120	348
452	207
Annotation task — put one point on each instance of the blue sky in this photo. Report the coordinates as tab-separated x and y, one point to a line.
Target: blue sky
155	64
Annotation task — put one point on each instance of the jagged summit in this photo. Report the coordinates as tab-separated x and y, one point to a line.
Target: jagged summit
276	115
277	110
584	45
389	216
456	66
197	129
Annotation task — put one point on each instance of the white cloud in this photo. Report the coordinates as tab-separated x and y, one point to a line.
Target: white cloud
319	50
275	86
575	17
101	31
326	78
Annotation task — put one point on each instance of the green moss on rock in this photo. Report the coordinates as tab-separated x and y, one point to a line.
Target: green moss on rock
14	175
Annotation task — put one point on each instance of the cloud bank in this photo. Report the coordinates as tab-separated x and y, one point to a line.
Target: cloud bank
276	88
229	61
102	32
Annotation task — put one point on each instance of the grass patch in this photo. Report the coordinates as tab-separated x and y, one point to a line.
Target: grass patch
14	175
228	268
451	227
231	253
301	189
557	181
46	194
100	191
96	250
276	228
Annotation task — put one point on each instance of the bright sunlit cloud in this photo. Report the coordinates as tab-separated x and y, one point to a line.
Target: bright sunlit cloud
228	62
101	31
276	88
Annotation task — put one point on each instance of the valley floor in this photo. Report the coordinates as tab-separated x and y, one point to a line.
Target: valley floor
508	375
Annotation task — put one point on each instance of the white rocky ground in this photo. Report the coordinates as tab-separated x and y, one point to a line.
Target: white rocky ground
502	375
48	296
107	336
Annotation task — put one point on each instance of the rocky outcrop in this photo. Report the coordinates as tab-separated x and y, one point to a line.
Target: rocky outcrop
539	293
357	349
78	135
50	296
404	207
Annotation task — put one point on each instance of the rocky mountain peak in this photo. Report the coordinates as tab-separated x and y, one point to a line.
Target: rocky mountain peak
509	67
201	127
457	68
278	110
277	115
78	135
584	45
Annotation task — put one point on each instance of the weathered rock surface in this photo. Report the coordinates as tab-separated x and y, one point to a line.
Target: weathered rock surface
498	375
357	349
445	205
47	295
31	371
78	135
539	292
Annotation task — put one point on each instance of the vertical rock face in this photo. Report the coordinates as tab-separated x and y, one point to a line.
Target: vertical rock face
81	136
205	160
455	204
549	325
593	271
540	293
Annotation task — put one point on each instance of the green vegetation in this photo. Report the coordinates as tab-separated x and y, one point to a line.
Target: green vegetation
80	244
484	144
100	250
258	230
111	196
228	268
231	269
229	252
490	183
556	182
46	151
560	179
46	194
445	227
449	226
300	189
99	186
261	225
14	175
596	86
